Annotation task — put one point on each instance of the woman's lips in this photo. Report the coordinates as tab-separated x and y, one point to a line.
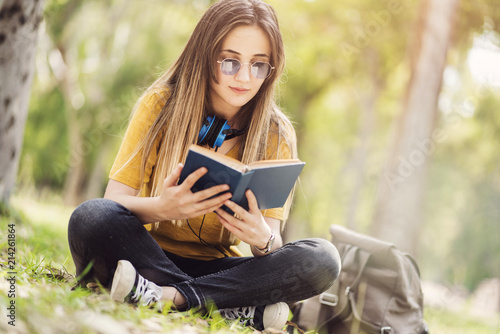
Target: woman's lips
238	90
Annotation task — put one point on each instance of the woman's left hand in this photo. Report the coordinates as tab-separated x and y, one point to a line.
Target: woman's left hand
248	226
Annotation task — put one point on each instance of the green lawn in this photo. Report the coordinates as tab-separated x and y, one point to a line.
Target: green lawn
44	299
45	302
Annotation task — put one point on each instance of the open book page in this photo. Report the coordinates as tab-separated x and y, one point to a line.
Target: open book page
238	165
273	163
228	161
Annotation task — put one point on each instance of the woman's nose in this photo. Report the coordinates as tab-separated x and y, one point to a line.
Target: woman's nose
244	73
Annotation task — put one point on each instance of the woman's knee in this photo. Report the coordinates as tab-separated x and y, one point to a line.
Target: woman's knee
320	262
92	214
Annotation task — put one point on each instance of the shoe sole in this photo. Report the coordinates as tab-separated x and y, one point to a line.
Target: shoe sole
123	280
275	316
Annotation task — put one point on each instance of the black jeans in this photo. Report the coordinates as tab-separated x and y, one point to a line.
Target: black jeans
103	232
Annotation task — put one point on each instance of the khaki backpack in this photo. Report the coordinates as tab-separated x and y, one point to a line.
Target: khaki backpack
378	291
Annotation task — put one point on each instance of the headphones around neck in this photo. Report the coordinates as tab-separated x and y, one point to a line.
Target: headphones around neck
215	130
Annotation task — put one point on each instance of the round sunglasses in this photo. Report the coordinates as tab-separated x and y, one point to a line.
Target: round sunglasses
259	69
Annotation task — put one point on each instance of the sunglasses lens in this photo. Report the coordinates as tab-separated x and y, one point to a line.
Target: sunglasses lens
230	66
261	70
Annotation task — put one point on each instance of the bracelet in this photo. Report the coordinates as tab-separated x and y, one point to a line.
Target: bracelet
268	246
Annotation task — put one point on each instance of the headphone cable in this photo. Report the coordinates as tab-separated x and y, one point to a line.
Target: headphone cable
203	242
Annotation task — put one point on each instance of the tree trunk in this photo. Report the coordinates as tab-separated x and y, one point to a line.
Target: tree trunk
356	168
19	22
400	198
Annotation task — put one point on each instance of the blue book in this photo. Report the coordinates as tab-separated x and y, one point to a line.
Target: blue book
270	180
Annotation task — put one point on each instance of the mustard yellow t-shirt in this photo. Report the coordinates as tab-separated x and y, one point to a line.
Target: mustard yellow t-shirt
198	238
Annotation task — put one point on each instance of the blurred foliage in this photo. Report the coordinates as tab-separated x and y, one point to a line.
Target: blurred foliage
347	69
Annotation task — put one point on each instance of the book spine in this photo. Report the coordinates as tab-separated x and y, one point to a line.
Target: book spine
239	193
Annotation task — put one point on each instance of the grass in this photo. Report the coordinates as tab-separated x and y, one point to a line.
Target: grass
446	322
46	303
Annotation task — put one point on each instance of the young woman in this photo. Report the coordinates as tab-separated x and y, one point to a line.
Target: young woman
151	239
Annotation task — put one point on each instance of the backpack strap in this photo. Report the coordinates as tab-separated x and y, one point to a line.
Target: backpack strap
346	310
365	325
310	313
351	305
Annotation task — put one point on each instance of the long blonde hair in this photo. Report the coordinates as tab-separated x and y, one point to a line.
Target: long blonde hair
188	84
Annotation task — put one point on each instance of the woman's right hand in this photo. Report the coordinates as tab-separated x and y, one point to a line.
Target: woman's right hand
179	202
174	202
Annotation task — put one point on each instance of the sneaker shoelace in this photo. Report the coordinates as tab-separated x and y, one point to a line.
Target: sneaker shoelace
146	293
244	314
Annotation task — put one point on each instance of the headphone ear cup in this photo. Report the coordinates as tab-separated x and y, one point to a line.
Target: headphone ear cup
221	136
202	135
213	132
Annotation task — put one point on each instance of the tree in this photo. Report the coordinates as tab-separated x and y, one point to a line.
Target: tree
99	73
19	22
342	68
399	205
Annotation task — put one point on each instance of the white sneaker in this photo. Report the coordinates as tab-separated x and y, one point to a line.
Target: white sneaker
273	316
129	286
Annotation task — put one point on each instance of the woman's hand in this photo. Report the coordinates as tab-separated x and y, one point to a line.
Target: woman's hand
179	202
174	202
249	226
